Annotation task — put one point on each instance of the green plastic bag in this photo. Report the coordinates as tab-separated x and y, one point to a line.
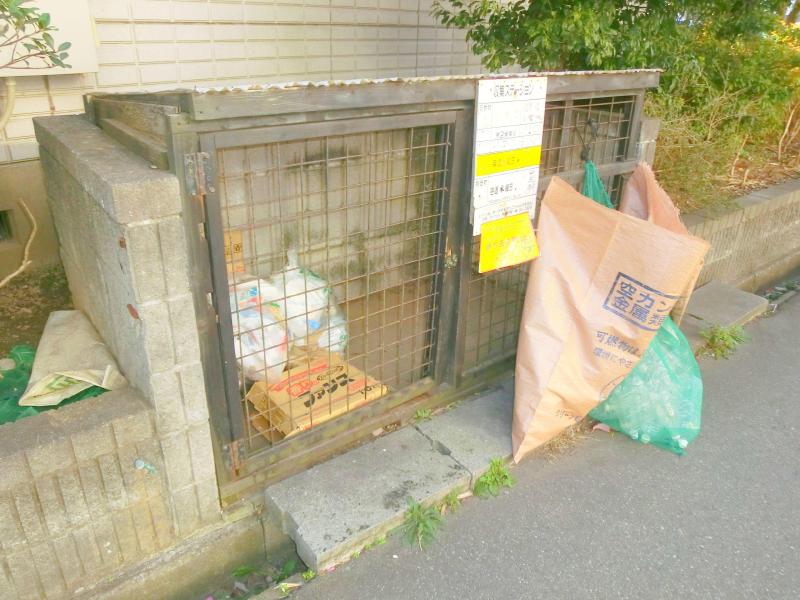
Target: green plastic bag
661	399
593	186
14	382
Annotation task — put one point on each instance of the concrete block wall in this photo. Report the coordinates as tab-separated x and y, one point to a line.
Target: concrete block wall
73	507
755	243
123	247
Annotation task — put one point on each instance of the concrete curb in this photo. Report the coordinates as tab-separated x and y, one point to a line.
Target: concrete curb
718	303
337	508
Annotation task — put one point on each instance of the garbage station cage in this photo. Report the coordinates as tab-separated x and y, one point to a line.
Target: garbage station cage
364	187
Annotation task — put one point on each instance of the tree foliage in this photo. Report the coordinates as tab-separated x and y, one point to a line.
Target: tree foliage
26	38
599	34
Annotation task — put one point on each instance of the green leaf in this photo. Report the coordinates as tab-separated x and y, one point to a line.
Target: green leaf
64	46
44	21
243	571
48	39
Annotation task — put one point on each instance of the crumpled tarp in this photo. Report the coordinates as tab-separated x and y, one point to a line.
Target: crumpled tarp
70	359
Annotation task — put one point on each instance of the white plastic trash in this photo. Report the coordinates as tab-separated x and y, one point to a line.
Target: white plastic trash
303	299
334	336
261	344
252	293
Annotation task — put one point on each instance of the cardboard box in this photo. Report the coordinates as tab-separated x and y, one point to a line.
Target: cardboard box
312	393
262	425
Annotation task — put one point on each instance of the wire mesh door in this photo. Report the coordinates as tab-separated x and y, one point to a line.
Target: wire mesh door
332	251
495	299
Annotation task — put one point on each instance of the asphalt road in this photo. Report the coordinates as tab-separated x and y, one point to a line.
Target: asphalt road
615	519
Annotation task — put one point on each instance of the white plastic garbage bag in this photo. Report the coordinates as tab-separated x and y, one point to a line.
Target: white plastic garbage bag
334	336
304	299
260	342
252	292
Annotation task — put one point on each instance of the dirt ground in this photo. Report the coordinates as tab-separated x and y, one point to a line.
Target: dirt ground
27	301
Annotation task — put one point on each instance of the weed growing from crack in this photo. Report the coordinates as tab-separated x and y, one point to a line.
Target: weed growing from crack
308	575
421	524
496	478
722	341
243	571
287	570
450	503
422	414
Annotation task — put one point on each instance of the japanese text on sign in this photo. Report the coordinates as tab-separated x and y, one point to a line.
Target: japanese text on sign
506	242
638	303
509	120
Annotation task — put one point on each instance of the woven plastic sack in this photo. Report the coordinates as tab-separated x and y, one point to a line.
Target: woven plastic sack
595	299
660	401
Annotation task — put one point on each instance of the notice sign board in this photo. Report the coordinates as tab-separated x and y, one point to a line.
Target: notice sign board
509	118
506	242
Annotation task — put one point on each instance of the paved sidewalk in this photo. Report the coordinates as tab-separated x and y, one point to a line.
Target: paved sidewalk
614	519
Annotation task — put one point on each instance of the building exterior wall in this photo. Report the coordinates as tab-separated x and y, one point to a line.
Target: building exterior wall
159	44
24	181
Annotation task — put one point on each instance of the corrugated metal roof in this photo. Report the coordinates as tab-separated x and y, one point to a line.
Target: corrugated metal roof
227	89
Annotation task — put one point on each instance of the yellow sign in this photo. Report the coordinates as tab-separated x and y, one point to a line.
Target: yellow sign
507	242
499	162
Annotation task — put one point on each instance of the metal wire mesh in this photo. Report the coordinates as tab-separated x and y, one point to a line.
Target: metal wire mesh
333	249
495	299
604	124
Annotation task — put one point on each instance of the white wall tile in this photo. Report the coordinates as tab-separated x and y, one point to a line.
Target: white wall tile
161	44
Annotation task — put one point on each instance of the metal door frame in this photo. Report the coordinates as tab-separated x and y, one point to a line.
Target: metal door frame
190	115
341	431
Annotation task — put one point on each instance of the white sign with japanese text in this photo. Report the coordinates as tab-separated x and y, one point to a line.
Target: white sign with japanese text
509	120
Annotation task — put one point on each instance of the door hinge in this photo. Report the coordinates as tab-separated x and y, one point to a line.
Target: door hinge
233	455
197	170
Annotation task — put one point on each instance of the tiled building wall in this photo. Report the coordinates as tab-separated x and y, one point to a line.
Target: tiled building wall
158	44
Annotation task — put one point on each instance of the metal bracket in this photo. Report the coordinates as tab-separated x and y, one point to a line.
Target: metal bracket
197	171
233	455
450	259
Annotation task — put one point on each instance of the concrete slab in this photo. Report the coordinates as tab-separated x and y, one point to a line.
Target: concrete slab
336	507
475	431
691	328
718	303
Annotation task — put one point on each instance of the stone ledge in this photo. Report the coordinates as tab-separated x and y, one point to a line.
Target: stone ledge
718	303
128	189
45	441
336	507
476	430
